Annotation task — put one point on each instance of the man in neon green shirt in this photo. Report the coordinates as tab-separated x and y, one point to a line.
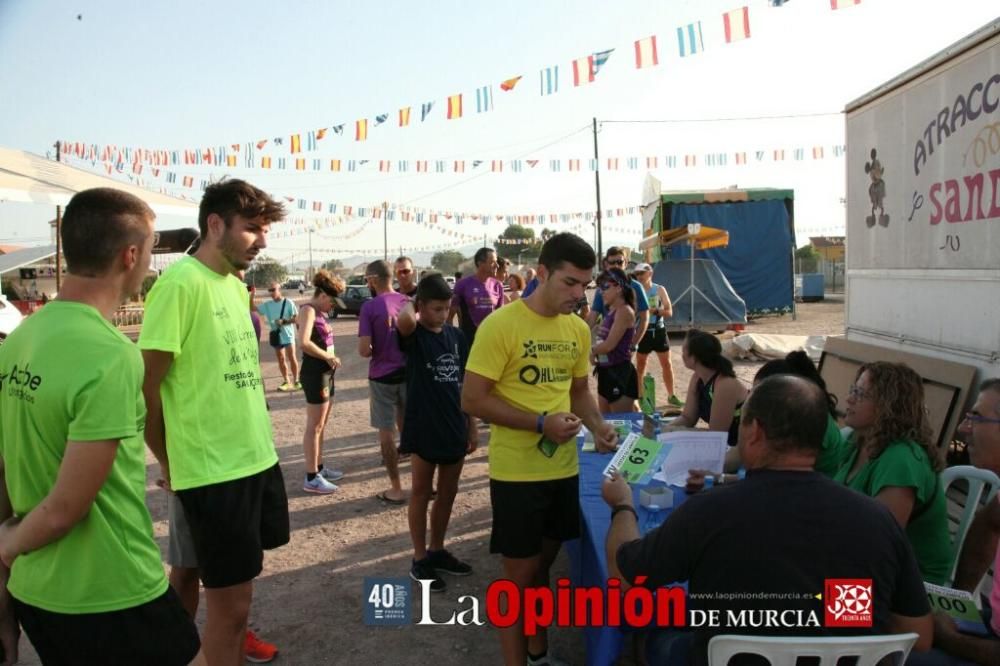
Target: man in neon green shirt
207	421
527	375
85	574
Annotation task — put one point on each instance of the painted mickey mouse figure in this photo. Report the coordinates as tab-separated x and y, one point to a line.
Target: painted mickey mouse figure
876	191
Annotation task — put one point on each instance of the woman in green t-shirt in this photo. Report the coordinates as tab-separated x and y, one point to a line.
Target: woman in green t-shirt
891	457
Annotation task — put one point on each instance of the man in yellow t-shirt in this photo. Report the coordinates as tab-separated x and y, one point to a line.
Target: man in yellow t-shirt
528	376
207	420
85	578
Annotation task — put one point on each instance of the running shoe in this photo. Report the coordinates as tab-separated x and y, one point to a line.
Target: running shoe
675	401
423	570
444	561
285	387
259	651
318	486
298	386
331	474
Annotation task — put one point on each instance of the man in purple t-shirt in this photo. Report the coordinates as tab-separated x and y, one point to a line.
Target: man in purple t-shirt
477	295
378	340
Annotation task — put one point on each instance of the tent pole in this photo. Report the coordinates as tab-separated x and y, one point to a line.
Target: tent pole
692	241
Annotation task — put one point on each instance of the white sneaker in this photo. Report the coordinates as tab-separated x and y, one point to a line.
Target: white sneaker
331	474
318	485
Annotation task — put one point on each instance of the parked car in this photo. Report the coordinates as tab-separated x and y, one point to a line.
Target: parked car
10	317
352	299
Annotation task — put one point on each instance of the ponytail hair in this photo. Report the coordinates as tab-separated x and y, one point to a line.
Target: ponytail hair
799	364
327	283
707	350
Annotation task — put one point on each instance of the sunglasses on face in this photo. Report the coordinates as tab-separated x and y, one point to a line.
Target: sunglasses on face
272	290
616	262
404	271
608	285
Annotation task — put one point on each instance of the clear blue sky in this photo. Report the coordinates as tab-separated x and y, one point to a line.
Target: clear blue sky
190	74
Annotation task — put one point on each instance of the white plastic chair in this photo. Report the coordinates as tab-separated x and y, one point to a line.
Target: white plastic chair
980	481
785	650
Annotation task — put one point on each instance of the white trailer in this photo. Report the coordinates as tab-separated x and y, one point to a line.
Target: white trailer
923	208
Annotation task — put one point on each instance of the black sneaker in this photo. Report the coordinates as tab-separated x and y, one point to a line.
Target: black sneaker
444	561
423	570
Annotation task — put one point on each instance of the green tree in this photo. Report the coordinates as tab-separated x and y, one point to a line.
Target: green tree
333	265
806	259
447	261
516	240
264	271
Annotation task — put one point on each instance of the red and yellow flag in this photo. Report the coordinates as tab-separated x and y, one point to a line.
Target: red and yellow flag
361	130
455	107
404	117
296	143
510	83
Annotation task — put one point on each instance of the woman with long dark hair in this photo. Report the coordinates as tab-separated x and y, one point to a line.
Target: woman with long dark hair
617	381
891	457
714	394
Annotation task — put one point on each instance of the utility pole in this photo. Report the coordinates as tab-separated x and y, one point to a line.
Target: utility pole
385	230
311	274
58	229
597	185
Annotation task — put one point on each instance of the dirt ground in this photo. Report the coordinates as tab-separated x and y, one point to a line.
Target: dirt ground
309	599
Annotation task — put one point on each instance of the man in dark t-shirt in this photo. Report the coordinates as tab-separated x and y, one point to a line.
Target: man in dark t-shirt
786	531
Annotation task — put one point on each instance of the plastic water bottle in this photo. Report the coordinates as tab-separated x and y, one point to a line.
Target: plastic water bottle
652	517
648	402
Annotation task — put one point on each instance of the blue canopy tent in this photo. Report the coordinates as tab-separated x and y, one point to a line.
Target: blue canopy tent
758	261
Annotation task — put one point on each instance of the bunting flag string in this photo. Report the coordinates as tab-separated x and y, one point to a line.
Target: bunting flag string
221	157
404	213
690	40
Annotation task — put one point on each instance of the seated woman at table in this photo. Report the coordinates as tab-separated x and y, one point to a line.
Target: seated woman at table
714	394
891	457
617	381
834	448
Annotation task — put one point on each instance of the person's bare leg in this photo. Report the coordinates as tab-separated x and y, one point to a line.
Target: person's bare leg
447	488
391	458
313	435
539	643
640	368
602	404
322	432
224	637
186	584
282	367
522	571
292	363
422	477
668	371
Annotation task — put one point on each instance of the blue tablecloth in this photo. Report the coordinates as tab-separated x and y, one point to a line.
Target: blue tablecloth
588	561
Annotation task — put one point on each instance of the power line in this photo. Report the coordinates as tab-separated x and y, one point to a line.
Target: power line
585	128
725	120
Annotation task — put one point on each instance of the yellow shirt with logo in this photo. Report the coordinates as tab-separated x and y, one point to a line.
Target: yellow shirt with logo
533	360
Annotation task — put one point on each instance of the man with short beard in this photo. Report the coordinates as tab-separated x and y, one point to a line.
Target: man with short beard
207	421
406	277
